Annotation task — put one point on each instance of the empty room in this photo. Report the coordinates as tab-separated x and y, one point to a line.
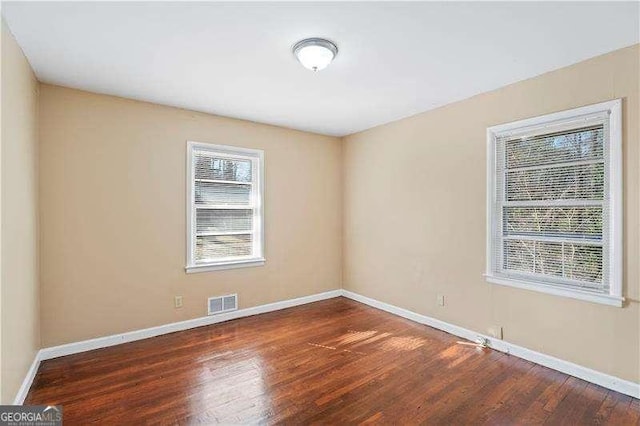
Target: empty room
320	213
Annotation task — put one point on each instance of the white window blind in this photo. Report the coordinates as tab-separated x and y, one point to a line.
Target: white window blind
554	203
224	207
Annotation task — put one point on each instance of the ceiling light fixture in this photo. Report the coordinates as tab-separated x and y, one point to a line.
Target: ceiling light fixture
315	53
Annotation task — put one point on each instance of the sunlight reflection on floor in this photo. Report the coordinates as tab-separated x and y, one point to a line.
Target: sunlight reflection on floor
407	343
355	336
359	339
228	388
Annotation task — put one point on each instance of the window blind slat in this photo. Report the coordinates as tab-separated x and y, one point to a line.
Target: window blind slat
573	145
223	181
581	265
570	182
222	193
584	241
222	246
209	165
585	222
224	220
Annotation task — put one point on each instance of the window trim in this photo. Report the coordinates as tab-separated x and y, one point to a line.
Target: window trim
258	185
614	174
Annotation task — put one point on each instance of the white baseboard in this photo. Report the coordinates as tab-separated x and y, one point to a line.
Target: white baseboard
116	339
610	382
605	380
28	380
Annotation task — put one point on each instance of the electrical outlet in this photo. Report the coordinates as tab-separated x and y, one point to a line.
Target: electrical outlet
177	301
441	300
495	331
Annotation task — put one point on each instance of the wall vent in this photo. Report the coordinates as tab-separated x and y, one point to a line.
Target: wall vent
219	304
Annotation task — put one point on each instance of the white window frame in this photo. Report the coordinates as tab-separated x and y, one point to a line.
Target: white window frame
256	157
614	189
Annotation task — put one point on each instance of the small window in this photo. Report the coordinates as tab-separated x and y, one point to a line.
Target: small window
554	204
224	207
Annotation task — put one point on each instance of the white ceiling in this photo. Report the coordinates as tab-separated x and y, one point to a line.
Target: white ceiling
234	59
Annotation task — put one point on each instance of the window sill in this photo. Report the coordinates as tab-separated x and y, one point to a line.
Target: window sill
605	299
248	263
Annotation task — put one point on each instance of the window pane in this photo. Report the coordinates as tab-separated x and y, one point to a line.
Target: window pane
221	246
208	166
519	255
583	263
577	145
223	220
222	193
548	259
576	262
573	222
572	182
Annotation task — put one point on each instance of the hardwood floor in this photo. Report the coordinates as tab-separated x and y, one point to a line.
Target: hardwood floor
335	361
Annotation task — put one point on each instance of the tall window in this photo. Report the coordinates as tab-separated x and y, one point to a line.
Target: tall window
554	204
224	207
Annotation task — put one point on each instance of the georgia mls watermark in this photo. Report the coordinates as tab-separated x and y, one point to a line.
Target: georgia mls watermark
30	415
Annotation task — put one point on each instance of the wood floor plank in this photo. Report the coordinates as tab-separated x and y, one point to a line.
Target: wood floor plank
330	362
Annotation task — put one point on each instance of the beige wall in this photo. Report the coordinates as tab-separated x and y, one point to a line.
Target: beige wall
19	223
414	218
112	185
